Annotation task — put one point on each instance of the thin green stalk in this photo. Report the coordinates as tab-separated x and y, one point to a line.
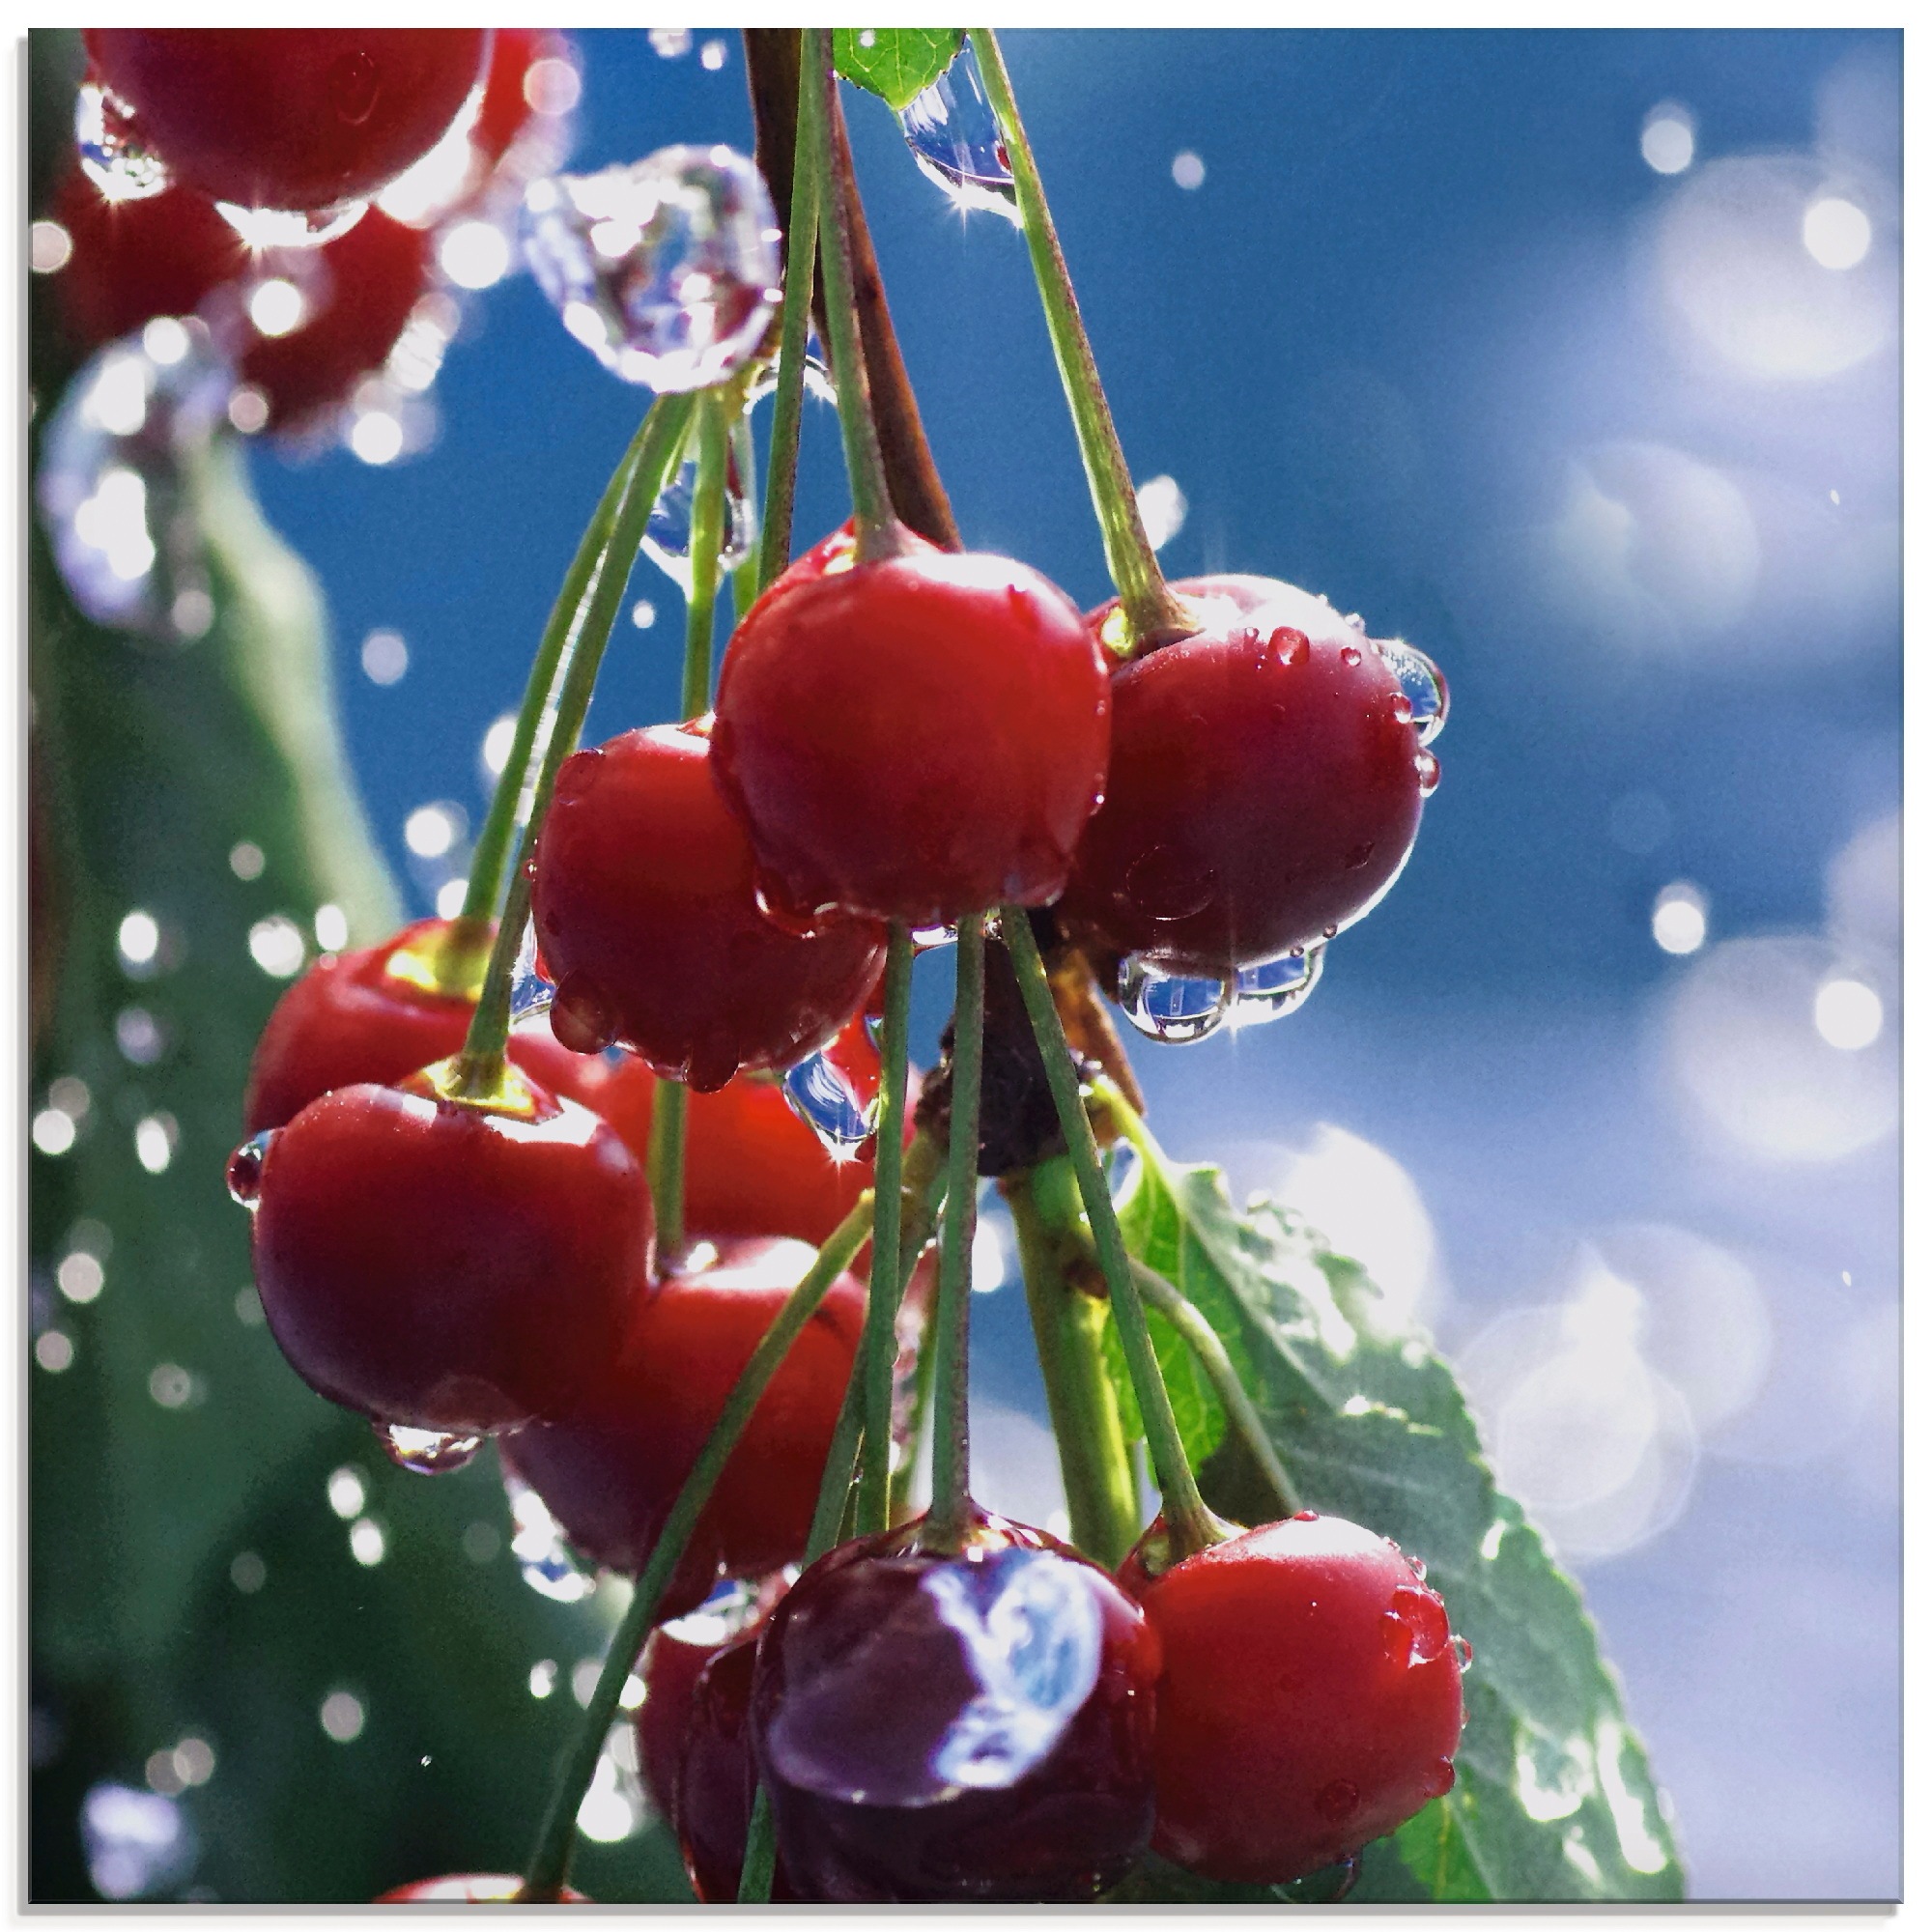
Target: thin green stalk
866	466
664	1167
707	538
550	1862
561	630
747	580
761	1851
1152	610
1190	1524
1103	1504
788	403
882	1307
659	443
947	1519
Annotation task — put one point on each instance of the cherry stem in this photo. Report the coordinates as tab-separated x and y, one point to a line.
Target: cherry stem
550	1862
659	444
707	541
1152	610
948	1518
663	1168
879	530
1191	1525
499	825
1103	1504
879	1346
788	403
747	581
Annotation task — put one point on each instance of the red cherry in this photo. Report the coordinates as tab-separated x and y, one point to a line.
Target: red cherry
1309	1655
288	118
969	1727
611	1471
1264	789
646	913
508	109
919	738
447	1266
469	1888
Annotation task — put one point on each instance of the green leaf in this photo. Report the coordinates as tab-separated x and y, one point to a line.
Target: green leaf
894	63
1553	1798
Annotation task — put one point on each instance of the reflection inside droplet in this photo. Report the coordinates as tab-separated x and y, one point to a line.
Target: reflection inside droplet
956	140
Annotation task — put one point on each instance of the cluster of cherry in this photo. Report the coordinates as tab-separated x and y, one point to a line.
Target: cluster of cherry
454	1232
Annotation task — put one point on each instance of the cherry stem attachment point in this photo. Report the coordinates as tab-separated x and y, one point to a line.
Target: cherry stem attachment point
1190	1524
550	1862
948	1520
1152	610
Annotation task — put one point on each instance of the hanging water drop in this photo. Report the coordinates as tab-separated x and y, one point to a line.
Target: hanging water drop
825	1097
245	1170
543	1555
112	487
956	140
667	539
1427	772
1277	987
667	270
291	227
111	154
532	991
818	381
425	1452
1172	1006
1423	686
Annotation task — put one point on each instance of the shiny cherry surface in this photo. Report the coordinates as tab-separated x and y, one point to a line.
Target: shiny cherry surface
288	118
1310	1656
647	914
916	738
1264	789
610	1472
973	1727
447	1266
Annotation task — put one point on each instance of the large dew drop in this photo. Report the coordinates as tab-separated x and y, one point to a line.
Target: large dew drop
1172	1006
1423	686
667	539
531	990
832	1103
245	1170
426	1452
112	155
667	270
538	1544
113	484
1278	986
956	140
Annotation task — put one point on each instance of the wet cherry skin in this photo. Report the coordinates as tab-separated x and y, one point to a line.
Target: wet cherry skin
1263	791
920	1749
647	914
469	1888
611	1471
1309	1655
285	118
448	1267
916	738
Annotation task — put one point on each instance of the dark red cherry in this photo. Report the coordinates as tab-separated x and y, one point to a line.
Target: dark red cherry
1264	788
972	1727
918	738
448	1267
648	918
288	118
469	1888
1309	1655
611	1471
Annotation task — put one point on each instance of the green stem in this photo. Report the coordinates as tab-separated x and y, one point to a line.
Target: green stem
499	826
1190	1524
747	580
1103	1504
898	1500
949	1517
550	1862
788	403
707	538
1152	610
866	466
659	444
761	1851
663	1168
879	1346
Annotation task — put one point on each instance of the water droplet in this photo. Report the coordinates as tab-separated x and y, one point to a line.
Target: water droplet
1440	1782
1423	685
1288	647
956	140
1429	771
1338	1801
111	152
245	1170
548	1564
667	539
1351	656
932	938
532	990
1466	1652
667	270
827	1097
1277	987
291	227
426	1452
1167	884
1354	619
818	383
1307	1516
580	1016
1416	1564
1170	1007
354	84
1417	1626
112	485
